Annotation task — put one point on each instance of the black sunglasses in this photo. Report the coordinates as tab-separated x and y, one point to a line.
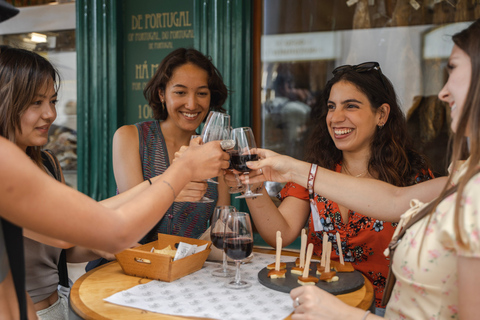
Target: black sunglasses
362	67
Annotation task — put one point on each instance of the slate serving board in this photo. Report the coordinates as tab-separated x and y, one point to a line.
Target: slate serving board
347	282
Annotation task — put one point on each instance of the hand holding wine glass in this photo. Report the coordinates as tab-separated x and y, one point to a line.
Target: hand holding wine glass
243	152
218	234
240	245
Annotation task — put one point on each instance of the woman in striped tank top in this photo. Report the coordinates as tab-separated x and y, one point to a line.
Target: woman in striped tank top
184	89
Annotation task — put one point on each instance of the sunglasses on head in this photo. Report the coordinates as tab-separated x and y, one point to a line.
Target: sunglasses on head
362	67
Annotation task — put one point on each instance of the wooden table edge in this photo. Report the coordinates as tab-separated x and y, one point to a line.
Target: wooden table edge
78	306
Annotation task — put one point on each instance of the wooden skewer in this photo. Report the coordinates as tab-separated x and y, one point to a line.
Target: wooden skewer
279	251
302	248
328	253
324	248
339	245
307	262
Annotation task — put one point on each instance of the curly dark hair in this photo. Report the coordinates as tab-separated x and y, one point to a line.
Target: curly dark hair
173	60
392	154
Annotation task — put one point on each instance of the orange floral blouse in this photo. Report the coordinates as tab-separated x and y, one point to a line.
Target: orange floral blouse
363	239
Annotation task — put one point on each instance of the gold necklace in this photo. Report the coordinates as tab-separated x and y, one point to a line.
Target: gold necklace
348	171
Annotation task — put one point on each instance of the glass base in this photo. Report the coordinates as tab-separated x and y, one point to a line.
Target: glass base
249	195
238	285
211	181
203	200
220	272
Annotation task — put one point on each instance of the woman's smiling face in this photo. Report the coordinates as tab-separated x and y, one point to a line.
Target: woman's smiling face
37	118
187	97
455	90
351	120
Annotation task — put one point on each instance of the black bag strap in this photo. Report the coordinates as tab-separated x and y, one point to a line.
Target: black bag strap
52	165
14	245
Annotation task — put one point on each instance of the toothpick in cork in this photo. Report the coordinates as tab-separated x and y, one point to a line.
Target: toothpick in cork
300	262
305	279
328	275
280	268
324	248
339	245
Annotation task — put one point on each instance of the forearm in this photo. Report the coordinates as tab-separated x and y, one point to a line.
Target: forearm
371	197
269	219
46	239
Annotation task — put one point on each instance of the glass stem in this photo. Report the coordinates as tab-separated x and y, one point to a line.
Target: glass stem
247	180
237	273
224	262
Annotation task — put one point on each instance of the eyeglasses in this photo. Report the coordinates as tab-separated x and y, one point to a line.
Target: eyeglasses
362	67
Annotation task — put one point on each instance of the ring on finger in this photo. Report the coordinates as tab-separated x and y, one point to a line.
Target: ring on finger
297	302
261	171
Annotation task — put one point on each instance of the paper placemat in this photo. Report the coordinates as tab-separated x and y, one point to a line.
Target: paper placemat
202	295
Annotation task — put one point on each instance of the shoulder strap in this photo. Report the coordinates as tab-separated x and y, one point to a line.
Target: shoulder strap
52	164
14	245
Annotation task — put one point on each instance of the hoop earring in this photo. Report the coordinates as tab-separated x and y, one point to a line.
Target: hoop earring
380	126
163	104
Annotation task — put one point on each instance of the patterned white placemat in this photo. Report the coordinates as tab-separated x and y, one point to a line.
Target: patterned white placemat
202	295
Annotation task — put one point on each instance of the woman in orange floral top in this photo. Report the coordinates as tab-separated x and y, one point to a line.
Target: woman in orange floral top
361	133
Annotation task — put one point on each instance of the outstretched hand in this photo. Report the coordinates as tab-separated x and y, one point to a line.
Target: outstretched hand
274	167
204	161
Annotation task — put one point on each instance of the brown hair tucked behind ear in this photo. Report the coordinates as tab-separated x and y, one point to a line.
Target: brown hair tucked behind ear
23	74
175	59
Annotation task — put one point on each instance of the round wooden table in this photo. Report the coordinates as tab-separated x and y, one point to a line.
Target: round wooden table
88	292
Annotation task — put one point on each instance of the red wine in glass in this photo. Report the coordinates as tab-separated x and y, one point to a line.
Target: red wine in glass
238	248
218	238
239	162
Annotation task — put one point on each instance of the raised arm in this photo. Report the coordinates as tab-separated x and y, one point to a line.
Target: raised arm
374	198
51	208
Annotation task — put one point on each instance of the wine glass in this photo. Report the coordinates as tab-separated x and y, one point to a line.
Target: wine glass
241	154
217	127
217	235
240	245
239	187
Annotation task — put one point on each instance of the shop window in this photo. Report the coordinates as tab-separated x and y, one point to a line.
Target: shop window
304	40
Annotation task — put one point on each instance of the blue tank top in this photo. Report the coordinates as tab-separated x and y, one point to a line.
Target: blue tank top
184	219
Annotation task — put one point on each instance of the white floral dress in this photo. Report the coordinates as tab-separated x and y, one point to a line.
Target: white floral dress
426	286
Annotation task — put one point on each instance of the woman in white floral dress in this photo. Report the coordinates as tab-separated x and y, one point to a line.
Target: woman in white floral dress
437	263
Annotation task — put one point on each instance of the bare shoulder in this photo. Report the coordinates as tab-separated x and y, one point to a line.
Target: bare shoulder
127	132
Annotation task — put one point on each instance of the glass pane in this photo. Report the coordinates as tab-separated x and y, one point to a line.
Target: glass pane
303	41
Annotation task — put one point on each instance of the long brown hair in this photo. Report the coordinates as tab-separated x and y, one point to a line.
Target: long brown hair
173	60
23	74
469	41
392	155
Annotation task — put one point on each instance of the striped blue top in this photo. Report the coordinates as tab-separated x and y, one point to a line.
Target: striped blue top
184	219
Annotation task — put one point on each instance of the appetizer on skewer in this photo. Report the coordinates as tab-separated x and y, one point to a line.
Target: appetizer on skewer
305	279
278	271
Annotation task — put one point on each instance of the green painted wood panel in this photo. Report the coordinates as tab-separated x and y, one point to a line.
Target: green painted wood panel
99	70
